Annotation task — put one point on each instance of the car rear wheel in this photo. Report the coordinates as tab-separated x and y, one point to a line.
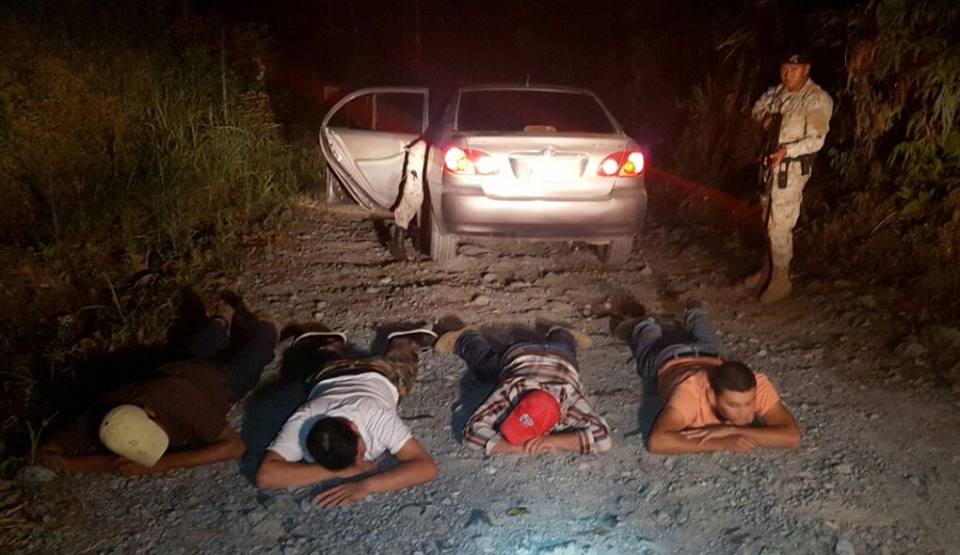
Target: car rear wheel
440	246
443	247
617	251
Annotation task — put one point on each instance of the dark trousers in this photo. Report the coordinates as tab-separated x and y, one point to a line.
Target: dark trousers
652	348
398	364
486	363
242	364
269	407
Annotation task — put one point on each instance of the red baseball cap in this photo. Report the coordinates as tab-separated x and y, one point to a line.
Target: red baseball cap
535	415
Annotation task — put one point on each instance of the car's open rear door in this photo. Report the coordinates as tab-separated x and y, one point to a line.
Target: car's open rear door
363	138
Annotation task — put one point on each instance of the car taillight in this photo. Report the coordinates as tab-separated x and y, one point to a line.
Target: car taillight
625	163
468	161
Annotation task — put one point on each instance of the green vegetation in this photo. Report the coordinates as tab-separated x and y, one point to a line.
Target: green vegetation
149	142
884	202
135	152
899	167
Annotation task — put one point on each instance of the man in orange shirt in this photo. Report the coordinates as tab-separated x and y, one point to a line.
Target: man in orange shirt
712	403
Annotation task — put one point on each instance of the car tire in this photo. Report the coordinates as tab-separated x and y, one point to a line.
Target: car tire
440	246
617	251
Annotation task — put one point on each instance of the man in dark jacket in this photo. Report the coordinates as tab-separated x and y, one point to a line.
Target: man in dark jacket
176	419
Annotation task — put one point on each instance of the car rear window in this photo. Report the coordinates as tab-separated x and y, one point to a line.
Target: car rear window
515	111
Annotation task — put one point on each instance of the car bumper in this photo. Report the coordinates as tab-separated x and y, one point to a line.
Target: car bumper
467	211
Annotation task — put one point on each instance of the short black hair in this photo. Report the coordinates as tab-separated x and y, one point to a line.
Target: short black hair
732	376
332	443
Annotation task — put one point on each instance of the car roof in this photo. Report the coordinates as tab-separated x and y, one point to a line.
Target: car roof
539	87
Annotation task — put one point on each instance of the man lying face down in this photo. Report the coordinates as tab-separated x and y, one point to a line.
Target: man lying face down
711	403
349	421
538	405
178	417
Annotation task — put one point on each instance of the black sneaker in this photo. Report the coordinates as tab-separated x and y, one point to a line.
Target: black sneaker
267	318
627	313
423	337
320	337
313	334
547	327
448	341
243	319
622	327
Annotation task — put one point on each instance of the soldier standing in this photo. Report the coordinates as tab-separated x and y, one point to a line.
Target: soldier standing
803	112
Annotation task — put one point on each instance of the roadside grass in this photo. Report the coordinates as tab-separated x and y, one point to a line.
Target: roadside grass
136	154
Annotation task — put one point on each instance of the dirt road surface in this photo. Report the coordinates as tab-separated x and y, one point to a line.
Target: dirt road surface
879	470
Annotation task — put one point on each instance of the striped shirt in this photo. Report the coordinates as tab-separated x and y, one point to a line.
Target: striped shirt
527	369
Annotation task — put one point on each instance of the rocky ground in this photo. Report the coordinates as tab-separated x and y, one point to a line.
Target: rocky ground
879	471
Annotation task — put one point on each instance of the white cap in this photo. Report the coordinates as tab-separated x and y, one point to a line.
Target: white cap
129	432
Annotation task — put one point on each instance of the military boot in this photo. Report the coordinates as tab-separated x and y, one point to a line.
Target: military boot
779	287
759	278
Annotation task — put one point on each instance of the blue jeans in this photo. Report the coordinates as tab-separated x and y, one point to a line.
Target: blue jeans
652	350
486	363
242	364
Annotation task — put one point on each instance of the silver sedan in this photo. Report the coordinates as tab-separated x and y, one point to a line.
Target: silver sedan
527	162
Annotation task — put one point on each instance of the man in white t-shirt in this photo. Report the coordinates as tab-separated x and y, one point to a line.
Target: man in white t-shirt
349	420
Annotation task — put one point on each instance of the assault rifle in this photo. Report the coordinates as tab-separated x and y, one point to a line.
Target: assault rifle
771	144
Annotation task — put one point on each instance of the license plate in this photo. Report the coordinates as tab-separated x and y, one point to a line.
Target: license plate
552	171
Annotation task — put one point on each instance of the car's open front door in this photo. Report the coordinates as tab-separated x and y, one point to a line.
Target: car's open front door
363	138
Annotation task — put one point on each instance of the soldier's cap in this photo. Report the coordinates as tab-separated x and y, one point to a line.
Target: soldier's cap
795	56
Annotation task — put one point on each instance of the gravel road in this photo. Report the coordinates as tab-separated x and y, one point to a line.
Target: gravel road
879	471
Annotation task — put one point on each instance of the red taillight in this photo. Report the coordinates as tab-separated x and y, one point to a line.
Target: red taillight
627	163
468	161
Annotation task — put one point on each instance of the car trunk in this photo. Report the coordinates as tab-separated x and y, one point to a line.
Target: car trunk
547	165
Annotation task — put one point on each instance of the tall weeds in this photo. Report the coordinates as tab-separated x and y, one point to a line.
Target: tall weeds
137	146
138	141
895	212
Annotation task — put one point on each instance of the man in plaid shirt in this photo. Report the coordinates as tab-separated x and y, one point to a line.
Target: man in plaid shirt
547	365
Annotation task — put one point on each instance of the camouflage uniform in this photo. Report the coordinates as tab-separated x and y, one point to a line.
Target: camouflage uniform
804	126
399	364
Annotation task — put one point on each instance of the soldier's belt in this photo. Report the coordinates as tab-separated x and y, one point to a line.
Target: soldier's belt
806	163
780	177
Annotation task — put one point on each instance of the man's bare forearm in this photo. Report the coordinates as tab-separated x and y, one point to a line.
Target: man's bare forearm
774	437
91	464
226	449
503	447
567	441
404	475
673	443
278	474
